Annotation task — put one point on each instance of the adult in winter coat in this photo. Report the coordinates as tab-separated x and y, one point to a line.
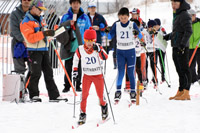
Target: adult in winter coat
91	55
83	23
70	40
15	19
37	46
97	20
194	41
180	36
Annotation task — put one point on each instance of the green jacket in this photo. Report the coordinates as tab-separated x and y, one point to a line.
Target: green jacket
195	37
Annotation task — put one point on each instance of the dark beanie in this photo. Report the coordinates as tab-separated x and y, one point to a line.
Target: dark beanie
151	23
71	1
157	21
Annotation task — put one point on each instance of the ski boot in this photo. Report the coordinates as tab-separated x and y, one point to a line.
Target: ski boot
36	99
133	96
82	119
117	96
104	111
58	99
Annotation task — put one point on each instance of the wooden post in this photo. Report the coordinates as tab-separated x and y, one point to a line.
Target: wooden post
138	93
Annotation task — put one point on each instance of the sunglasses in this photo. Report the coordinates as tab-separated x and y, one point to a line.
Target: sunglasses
93	40
27	0
39	9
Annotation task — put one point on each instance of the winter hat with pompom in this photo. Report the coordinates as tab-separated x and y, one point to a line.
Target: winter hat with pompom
90	34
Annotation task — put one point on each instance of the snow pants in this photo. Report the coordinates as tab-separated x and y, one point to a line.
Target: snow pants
181	61
99	85
39	61
126	57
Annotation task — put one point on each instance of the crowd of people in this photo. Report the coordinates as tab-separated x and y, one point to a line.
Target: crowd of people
87	40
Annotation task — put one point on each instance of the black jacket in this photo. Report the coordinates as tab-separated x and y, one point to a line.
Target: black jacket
66	38
182	27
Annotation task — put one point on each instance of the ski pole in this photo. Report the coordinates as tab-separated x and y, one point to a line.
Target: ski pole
193	54
155	65
157	68
74	100
168	69
106	89
63	67
163	65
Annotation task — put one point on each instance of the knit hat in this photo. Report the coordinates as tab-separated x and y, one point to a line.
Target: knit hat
90	34
151	23
91	4
158	21
39	4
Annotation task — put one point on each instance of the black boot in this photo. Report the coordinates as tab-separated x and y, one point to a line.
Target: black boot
117	95
82	119
104	111
133	96
66	89
35	99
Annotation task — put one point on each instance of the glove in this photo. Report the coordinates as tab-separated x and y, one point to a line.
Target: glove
96	47
143	44
135	32
107	30
166	37
75	75
49	33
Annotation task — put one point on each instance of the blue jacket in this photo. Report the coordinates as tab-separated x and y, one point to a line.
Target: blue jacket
100	21
83	20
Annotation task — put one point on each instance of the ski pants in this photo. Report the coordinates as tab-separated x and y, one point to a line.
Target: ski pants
161	56
196	61
153	63
99	85
39	61
181	61
138	68
126	57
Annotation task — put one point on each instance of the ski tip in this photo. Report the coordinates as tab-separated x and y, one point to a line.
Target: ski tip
72	127
97	125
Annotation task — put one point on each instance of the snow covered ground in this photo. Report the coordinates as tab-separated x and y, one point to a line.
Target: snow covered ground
155	114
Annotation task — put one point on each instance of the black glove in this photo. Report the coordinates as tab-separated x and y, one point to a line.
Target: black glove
107	30
143	44
49	33
75	75
135	32
96	47
166	37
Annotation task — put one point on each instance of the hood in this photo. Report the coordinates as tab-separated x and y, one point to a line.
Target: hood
183	7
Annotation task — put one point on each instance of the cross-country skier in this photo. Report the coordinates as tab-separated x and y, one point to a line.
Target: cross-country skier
91	55
125	50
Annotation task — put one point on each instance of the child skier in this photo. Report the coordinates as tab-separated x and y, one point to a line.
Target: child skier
125	50
91	55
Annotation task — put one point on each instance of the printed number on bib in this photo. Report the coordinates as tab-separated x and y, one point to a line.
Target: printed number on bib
123	34
91	60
